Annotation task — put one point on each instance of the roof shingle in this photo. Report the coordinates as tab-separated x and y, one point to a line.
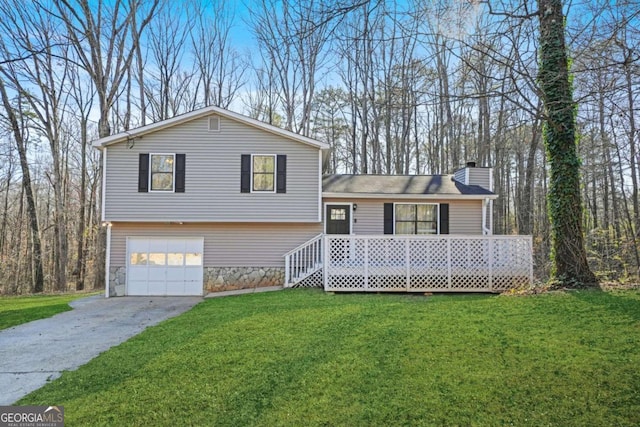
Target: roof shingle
400	184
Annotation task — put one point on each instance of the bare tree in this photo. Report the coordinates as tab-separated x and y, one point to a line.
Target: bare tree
167	37
42	79
81	96
219	68
20	140
565	207
295	45
104	38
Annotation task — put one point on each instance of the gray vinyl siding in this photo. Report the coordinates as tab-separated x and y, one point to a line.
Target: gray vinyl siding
481	177
225	245
477	176
465	216
212	178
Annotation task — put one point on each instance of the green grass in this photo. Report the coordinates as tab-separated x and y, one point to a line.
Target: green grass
18	310
302	357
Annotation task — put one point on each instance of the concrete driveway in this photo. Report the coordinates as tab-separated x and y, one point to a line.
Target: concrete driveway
34	353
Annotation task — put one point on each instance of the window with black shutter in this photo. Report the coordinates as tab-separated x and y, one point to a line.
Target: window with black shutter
281	176
263	173
180	172
143	173
416	218
161	172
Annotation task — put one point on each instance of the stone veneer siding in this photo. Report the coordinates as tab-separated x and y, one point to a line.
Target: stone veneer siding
216	279
117	281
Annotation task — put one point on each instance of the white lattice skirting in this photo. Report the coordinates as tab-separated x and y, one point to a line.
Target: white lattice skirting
427	263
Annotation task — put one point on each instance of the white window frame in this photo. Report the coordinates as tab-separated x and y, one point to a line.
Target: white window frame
437	205
173	181
275	174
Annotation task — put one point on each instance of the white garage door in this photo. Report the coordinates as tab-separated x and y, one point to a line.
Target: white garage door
157	266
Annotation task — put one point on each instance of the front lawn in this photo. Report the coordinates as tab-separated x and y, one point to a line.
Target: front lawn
302	357
17	310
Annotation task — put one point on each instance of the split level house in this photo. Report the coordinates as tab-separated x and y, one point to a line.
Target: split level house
213	200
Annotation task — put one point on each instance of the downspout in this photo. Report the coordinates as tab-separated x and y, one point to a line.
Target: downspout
486	203
107	261
107	257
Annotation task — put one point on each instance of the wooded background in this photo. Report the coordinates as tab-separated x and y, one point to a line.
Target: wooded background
394	87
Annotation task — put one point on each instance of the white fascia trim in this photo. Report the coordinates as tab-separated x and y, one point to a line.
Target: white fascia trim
408	196
104	184
350	204
214	221
107	263
193	115
270	128
320	186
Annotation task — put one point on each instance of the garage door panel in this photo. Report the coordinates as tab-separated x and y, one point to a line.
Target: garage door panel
160	266
192	288
157	274
175	274
193	246
157	289
176	246
192	274
138	287
137	245
137	273
175	288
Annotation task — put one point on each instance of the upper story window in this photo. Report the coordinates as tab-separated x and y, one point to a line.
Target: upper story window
412	218
263	173
162	172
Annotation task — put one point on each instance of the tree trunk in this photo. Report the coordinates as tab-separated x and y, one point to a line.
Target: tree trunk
629	80
80	263
38	274
568	253
5	207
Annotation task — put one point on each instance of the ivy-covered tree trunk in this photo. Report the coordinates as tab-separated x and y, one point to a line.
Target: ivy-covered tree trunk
568	253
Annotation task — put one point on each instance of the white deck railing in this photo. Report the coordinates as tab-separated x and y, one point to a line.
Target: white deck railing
443	263
303	261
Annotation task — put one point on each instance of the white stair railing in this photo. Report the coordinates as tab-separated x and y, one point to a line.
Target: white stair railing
303	261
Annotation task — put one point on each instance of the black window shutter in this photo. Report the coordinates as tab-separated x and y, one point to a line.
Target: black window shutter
388	218
143	173
281	174
245	173
444	218
180	172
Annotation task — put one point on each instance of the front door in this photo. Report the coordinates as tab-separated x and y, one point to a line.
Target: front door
338	219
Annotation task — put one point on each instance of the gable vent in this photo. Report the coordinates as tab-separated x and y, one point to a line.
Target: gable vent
214	124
